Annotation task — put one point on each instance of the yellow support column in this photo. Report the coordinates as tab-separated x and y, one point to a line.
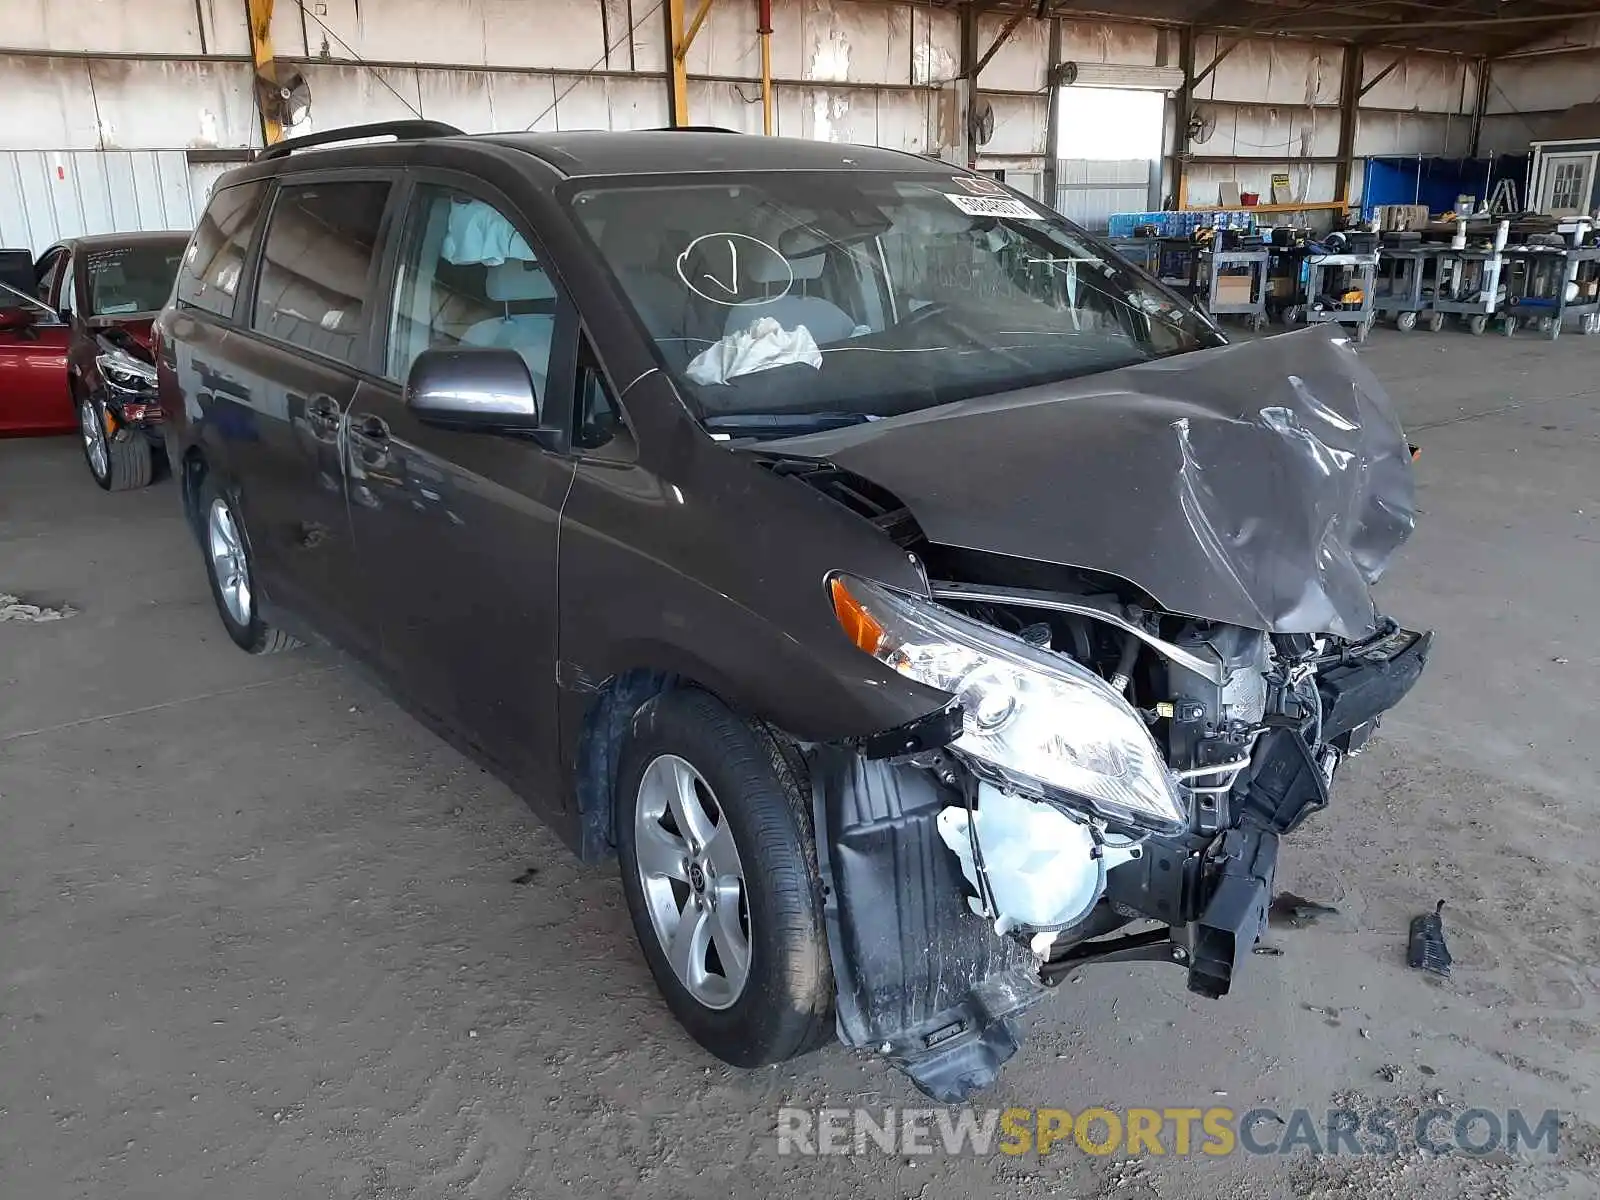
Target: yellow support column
680	75
764	32
260	15
682	39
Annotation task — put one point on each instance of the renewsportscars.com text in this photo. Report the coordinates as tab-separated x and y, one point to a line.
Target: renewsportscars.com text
1210	1131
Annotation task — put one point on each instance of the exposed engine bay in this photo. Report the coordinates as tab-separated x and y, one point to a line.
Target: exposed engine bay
1150	606
1253	727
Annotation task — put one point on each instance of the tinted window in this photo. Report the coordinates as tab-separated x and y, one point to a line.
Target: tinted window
130	279
11	297
598	416
468	278
214	261
49	268
317	262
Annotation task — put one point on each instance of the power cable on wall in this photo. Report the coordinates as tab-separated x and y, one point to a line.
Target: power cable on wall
632	29
349	49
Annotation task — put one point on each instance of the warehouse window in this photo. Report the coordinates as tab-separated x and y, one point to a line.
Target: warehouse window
316	265
214	261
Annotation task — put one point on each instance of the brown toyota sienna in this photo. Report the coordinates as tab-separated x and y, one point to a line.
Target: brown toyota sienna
917	600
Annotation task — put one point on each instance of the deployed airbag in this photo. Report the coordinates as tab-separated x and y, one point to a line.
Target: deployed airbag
760	347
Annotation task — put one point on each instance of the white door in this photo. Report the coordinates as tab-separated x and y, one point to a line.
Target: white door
1568	184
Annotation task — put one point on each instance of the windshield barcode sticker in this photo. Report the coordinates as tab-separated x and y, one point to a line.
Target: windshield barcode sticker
992	206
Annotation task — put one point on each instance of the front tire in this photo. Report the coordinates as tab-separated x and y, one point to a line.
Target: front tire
719	866
232	576
117	463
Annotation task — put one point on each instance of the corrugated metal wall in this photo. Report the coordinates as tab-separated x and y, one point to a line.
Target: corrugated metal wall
46	195
1090	192
86	75
1527	95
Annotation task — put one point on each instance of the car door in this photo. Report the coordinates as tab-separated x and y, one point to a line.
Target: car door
297	367
33	368
457	530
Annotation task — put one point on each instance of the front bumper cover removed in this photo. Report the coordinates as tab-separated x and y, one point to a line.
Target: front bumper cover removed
925	982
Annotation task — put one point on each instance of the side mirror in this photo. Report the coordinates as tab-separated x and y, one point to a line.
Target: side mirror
485	388
17	318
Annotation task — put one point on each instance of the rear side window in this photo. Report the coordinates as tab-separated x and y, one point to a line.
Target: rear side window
214	261
316	265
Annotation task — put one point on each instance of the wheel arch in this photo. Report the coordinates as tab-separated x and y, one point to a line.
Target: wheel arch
191	473
601	738
603	733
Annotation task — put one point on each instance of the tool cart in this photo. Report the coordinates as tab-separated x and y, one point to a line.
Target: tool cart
1236	284
1468	286
1547	284
1140	251
1401	290
1178	265
1337	287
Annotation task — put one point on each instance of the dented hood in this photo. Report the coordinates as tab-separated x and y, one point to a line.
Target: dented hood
138	328
1263	484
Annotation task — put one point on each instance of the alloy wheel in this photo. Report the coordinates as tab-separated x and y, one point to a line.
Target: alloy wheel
94	439
228	562
693	881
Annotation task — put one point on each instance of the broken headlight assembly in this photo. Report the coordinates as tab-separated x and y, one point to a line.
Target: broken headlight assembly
125	373
1034	722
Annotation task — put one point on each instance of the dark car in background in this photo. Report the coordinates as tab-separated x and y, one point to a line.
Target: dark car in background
919	601
77	355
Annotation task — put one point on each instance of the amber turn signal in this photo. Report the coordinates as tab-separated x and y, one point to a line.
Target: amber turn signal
858	623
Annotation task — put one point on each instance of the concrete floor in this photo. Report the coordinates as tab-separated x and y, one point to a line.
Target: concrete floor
261	935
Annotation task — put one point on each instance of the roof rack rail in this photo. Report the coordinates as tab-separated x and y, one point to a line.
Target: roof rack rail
692	129
351	133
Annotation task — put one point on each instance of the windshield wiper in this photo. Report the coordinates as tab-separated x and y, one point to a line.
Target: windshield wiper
780	424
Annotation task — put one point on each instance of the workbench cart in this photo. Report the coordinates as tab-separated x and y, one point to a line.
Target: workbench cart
1467	286
1235	284
1401	291
1538	282
1330	277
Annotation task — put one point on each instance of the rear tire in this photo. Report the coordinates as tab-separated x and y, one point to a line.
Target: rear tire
231	572
749	791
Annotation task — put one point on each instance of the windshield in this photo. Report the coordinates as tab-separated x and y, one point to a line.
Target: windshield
131	279
786	299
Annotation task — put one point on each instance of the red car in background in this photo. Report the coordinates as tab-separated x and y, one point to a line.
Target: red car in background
33	367
76	357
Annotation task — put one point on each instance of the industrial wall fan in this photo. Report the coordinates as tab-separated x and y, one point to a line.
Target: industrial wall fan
980	122
1202	124
283	94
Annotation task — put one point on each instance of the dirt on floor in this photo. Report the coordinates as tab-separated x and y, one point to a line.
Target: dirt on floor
261	935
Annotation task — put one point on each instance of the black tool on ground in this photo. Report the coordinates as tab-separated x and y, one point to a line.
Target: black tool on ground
1427	951
1289	909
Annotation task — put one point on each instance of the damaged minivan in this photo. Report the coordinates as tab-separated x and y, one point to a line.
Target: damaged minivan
917	601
